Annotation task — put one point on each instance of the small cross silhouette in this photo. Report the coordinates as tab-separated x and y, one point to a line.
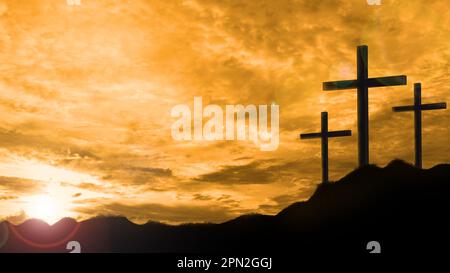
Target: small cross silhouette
417	108
324	134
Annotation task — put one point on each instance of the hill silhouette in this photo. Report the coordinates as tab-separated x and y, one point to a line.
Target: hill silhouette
404	208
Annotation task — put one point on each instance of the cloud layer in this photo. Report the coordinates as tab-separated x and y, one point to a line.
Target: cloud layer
86	94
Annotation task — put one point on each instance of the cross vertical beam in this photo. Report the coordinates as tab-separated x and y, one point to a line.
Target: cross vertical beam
418	124
363	105
417	108
324	142
324	134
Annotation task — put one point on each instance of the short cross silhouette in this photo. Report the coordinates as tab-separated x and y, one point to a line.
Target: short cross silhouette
417	108
324	134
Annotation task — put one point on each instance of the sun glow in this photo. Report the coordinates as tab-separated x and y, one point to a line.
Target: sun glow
53	198
44	208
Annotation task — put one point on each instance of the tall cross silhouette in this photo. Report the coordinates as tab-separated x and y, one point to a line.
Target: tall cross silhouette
324	134
417	108
362	84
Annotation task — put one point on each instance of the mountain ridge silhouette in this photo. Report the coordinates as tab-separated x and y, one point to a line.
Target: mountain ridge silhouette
399	205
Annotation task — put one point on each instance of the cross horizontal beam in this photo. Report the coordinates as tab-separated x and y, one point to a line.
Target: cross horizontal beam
434	106
423	107
406	108
310	135
387	81
340	85
341	133
370	82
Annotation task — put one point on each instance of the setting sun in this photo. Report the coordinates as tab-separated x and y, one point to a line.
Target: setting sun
51	190
45	208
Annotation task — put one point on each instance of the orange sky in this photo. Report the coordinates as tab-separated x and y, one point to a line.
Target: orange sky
86	93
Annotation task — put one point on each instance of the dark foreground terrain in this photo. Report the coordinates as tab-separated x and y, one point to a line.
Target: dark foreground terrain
404	208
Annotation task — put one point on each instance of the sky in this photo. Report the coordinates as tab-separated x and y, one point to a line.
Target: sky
86	94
